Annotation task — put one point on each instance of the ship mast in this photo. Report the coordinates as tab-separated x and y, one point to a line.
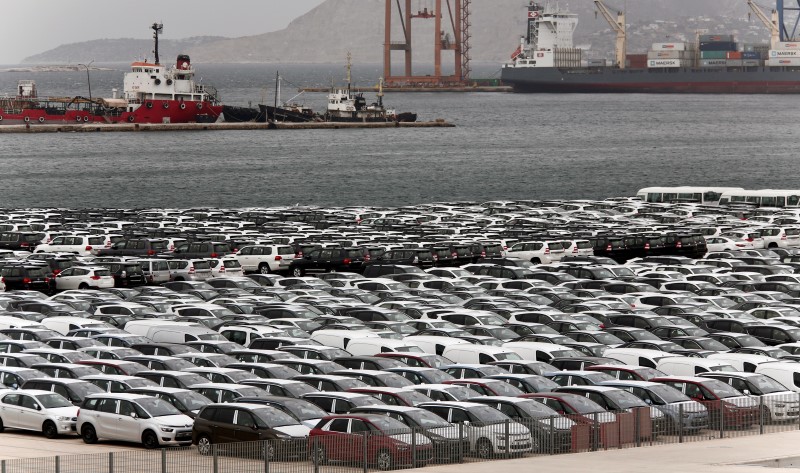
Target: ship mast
349	67
158	28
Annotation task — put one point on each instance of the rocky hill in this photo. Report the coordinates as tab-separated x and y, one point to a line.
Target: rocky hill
328	32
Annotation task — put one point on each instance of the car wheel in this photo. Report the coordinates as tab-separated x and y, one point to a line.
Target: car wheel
319	456
149	440
384	460
484	448
263	268
2	427
298	272
204	445
83	285
536	261
89	434
50	430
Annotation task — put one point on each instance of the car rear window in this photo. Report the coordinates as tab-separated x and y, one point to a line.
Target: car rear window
158	245
231	263
221	248
102	272
31	238
354	254
37	272
202	265
285	250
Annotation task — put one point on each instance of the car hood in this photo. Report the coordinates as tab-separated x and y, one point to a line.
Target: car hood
178	421
742	401
688	407
449	433
69	411
559	423
311	423
294	430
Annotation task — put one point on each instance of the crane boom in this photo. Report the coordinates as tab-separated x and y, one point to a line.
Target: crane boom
771	24
619	27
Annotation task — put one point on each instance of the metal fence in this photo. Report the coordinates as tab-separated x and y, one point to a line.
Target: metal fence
460	443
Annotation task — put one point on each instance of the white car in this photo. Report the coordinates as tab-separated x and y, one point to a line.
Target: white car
265	258
722	243
84	277
750	236
136	418
537	252
225	267
41	411
79	244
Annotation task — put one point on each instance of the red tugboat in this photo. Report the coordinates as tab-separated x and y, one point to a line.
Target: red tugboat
153	93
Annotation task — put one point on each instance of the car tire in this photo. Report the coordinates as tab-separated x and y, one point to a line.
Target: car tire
50	430
83	285
2	427
298	272
263	268
383	460
150	440
88	434
536	261
204	446
484	448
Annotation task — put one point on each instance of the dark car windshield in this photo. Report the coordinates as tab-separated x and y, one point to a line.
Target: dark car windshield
273	417
721	389
304	410
762	384
157	407
487	414
664	394
389	425
426	419
535	409
192	400
52	401
624	399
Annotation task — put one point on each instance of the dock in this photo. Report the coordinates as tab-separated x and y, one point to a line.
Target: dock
142	127
461	89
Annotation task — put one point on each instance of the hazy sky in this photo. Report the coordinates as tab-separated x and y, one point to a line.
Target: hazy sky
39	25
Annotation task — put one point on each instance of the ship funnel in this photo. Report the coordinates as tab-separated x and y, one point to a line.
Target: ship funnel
114	93
184	63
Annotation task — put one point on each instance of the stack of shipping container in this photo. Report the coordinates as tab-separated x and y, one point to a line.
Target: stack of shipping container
784	54
717	51
671	55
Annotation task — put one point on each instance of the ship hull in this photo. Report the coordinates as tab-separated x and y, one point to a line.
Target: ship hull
661	81
37	112
279	114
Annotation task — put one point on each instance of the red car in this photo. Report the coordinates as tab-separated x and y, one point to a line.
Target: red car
724	403
389	442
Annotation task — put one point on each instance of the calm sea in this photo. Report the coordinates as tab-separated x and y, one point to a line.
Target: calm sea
505	146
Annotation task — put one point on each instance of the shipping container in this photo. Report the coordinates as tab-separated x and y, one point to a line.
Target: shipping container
733	62
752	63
669	47
717	38
713	62
670	55
636	61
671	63
714	55
784	61
779	53
568	57
718	46
787	46
734	55
751	55
596	63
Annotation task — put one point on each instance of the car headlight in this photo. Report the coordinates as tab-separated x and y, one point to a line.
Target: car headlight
63	418
403	447
167	429
780	405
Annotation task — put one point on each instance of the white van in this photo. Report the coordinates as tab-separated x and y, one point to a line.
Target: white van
741	361
341	338
64	324
373	346
480	354
639	356
785	372
689	366
433	344
536	351
168	331
7	321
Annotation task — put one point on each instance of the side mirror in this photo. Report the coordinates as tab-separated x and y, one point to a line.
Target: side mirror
38	407
133	414
746	391
466	423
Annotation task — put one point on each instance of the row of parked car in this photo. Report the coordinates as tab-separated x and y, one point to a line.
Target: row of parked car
529	344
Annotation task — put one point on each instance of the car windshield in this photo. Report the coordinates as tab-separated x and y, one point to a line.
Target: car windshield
191	400
412	397
624	399
389	425
721	389
460	393
664	394
713	345
85	388
762	384
607	339
157	407
273	417
426	419
52	401
565	353
603	274
622	272
487	414
535	409
510	356
304	410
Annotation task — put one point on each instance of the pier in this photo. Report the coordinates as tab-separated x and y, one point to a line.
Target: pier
141	127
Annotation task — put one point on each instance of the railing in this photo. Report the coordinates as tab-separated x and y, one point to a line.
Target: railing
460	443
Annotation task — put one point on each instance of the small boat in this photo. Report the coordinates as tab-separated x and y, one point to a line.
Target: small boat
287	111
233	114
344	105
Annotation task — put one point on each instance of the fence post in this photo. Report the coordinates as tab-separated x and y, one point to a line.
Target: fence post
595	432
552	436
460	444
721	420
58	464
314	459
413	448
761	411
366	455
265	453
507	429
163	460
2	466
637	428
214	459
680	423
110	462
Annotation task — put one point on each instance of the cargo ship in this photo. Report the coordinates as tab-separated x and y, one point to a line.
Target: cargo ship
153	93
546	61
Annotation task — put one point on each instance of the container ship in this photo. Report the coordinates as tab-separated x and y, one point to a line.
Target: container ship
546	61
153	93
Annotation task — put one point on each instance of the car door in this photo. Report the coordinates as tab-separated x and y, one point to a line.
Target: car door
31	414
338	441
10	410
128	421
105	418
223	425
244	429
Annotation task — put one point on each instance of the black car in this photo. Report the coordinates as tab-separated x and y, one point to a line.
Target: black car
126	274
136	247
328	260
24	241
774	335
27	277
422	257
